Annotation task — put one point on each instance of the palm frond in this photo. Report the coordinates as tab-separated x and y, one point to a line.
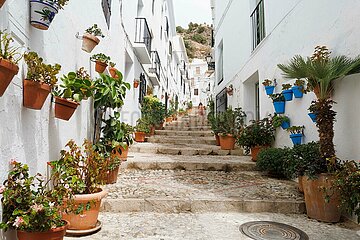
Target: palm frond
296	68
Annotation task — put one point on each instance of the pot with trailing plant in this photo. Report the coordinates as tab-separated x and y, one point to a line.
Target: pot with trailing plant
281	121
101	62
141	129
113	70
279	102
90	38
322	206
296	134
299	88
269	86
287	92
81	169
39	81
136	83
9	58
313	111
43	12
257	136
30	207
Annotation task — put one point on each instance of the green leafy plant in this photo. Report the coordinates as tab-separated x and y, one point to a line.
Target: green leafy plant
313	108
296	129
100	57
267	82
112	64
153	110
95	30
38	71
190	105
258	133
277	97
143	125
286	87
231	122
8	52
274	161
277	120
27	202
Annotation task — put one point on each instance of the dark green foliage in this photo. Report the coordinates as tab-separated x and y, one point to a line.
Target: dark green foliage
200	29
179	29
199	38
231	121
274	161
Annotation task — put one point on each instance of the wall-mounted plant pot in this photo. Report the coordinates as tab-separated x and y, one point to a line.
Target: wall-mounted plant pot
296	138
285	125
35	94
2	3
279	107
269	90
136	84
64	108
7	72
54	233
112	72
313	116
298	91
100	66
230	91
227	142
140	136
42	13
288	94
89	42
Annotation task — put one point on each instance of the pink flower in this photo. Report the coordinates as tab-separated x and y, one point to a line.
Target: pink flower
2	189
37	208
13	161
18	222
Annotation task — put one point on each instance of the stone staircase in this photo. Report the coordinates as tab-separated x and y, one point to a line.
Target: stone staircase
181	170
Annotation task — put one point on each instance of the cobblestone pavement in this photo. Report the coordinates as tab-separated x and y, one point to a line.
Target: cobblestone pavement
208	226
201	185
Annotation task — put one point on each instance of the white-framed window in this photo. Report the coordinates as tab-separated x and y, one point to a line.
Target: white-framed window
258	23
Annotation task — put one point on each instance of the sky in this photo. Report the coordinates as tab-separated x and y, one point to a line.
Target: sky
196	11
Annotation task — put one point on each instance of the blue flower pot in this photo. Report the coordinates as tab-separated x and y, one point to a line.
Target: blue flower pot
285	125
279	107
288	94
296	138
313	116
297	90
269	89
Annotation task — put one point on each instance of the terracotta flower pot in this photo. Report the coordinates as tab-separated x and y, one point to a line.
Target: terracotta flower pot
140	136
7	72
217	138
64	108
227	142
2	2
112	72
100	66
89	42
112	176
301	185
315	191
136	84
52	234
87	219
35	94
255	151
124	153
169	119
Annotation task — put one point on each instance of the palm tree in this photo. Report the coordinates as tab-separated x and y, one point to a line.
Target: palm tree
320	70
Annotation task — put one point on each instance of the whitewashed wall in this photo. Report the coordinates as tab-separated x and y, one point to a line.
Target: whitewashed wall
200	81
292	27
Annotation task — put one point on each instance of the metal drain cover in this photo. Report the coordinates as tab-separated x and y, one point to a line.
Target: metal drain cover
264	230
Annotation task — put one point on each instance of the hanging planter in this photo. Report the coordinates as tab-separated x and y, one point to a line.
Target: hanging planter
42	13
296	138
269	87
296	134
35	94
136	83
2	3
64	108
7	72
287	92
313	116
100	66
279	103
90	38
285	125
101	62
230	90
281	121
299	88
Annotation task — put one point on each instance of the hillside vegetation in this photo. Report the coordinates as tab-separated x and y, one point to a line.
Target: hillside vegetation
197	38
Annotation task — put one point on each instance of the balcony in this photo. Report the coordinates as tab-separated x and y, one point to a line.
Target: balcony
155	68
142	43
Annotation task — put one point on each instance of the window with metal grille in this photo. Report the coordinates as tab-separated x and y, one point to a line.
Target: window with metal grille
258	24
142	93
220	66
196	92
106	6
221	101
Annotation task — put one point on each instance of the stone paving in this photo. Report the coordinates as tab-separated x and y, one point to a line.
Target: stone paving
207	226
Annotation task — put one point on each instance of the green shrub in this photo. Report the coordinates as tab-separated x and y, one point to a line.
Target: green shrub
200	29
199	38
179	29
274	161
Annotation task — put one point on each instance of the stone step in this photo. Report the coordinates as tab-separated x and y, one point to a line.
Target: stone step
184	133
182	140
183	149
148	161
185	128
167	191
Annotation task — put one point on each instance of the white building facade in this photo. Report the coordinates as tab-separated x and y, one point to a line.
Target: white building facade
141	53
267	33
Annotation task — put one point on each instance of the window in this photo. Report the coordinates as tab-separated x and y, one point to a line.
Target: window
221	101
197	70
106	6
219	66
258	24
161	33
196	92
257	101
167	27
142	88
170	49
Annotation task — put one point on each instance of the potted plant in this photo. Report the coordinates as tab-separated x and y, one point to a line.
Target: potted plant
142	128
113	70
8	61
153	110
313	111
296	134
2	3
230	90
287	92
230	123
101	61
43	12
136	83
29	207
274	161
279	102
256	136
281	121
214	123
298	88
39	80
269	87
90	38
81	169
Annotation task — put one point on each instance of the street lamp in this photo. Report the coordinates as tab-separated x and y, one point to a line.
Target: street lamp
208	59
210	62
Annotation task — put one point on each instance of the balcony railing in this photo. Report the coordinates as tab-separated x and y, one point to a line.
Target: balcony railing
155	64
142	33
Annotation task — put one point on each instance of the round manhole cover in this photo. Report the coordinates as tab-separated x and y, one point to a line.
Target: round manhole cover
264	230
